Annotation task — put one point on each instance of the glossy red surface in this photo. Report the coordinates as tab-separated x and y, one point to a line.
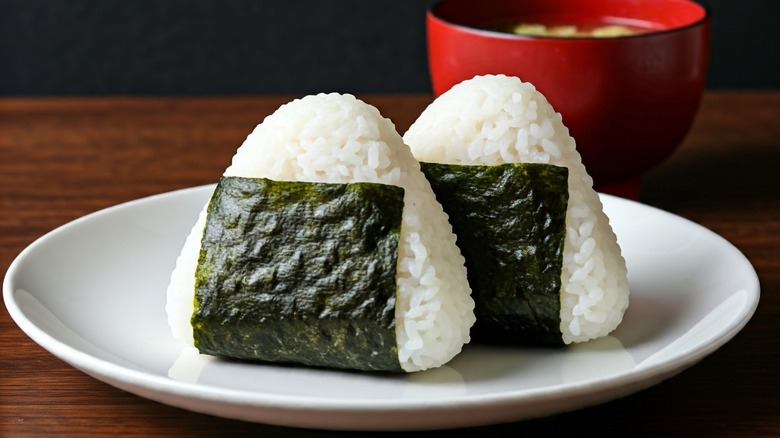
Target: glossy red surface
627	101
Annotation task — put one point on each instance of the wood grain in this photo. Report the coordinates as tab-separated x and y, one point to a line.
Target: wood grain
63	158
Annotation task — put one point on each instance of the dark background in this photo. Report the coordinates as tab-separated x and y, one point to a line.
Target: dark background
187	47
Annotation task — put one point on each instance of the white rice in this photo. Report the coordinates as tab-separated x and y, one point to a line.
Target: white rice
498	119
338	138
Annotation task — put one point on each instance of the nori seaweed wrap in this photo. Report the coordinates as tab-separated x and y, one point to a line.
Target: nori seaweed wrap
510	223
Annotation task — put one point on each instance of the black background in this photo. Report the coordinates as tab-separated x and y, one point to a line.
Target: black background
188	47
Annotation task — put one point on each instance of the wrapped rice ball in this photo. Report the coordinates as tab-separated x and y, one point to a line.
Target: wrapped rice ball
543	262
323	245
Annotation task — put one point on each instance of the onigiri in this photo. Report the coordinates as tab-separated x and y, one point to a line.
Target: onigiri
323	245
543	261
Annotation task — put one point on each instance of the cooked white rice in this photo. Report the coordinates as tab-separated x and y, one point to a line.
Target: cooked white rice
498	119
338	138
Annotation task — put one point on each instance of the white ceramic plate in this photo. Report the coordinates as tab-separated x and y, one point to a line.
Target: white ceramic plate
93	294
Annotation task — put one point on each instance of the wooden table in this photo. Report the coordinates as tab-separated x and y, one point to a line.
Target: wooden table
63	158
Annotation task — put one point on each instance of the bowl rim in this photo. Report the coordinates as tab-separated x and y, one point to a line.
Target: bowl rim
432	15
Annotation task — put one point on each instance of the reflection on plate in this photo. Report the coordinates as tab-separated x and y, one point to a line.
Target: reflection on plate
93	293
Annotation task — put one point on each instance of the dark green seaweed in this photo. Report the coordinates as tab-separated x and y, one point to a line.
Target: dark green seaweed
300	273
510	220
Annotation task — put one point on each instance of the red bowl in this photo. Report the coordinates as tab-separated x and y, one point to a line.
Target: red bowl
627	101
